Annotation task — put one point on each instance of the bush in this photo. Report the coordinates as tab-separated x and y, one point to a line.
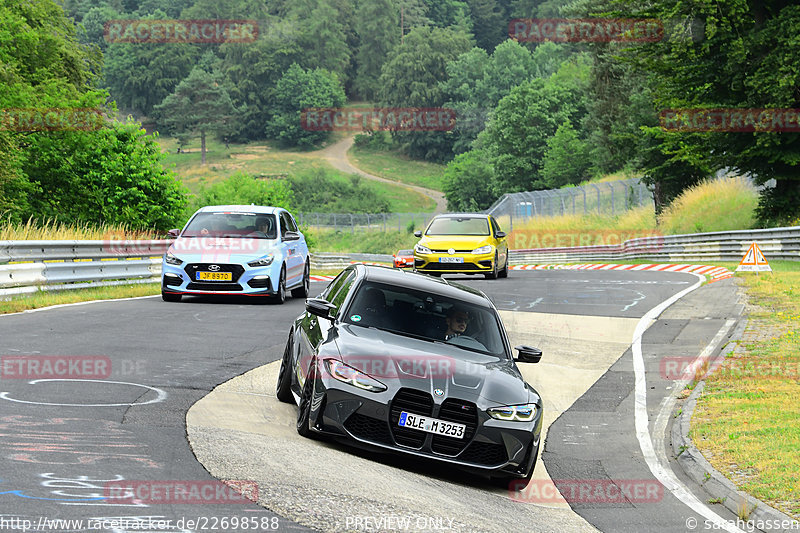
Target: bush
318	191
243	189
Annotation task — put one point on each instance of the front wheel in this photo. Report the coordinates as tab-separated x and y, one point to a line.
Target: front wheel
302	291
283	390
280	290
304	412
504	272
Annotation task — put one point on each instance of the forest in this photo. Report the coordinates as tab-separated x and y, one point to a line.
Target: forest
530	113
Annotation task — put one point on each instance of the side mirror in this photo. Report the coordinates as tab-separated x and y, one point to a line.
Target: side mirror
418	233
173	233
321	308
528	354
500	234
291	236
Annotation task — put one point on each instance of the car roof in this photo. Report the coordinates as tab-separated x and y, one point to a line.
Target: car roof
463	215
242	208
412	280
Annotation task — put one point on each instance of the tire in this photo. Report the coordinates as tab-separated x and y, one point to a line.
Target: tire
283	389
170	297
302	291
504	272
304	409
493	273
280	295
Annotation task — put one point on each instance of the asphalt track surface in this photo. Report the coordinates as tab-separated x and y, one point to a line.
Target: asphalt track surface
64	443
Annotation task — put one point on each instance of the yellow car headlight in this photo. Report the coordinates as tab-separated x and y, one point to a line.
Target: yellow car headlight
420	249
483	250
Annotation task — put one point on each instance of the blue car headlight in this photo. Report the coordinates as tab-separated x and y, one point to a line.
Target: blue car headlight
517	413
172	260
262	262
351	376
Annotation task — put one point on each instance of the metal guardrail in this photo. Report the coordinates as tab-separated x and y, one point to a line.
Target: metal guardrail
775	243
28	266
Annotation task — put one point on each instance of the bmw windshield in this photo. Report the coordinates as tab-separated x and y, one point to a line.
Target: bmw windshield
414	313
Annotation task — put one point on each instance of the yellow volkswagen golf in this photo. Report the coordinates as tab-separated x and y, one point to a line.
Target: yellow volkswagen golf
464	243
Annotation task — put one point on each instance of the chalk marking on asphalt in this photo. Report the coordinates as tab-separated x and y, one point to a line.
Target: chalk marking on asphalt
161	395
663	473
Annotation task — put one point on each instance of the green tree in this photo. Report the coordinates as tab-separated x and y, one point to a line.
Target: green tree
254	71
324	40
140	75
477	81
468	182
296	91
490	23
378	32
114	175
410	79
517	135
567	160
200	105
743	56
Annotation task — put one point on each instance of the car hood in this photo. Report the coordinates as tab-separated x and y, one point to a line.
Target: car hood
459	242
400	361
221	250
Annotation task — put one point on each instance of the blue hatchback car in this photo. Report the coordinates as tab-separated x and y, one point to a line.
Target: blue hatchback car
237	250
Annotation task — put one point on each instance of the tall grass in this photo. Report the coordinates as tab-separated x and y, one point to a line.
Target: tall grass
51	230
719	205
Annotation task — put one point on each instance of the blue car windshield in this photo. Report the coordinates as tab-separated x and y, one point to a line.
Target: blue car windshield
232	225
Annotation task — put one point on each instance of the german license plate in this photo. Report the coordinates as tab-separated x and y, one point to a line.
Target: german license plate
214	276
451	259
431	425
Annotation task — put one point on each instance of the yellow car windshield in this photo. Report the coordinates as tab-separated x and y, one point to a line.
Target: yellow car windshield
459	226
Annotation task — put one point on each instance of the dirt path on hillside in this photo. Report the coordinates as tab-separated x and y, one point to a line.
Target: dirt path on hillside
336	155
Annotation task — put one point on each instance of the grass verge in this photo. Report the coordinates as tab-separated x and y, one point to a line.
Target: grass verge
50	230
747	421
48	298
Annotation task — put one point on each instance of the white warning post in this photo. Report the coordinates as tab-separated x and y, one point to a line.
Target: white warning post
753	261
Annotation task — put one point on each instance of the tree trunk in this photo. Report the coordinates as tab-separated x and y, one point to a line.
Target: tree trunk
203	147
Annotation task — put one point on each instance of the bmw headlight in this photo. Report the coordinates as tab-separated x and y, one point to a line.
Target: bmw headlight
517	413
171	259
483	250
348	374
264	261
422	249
